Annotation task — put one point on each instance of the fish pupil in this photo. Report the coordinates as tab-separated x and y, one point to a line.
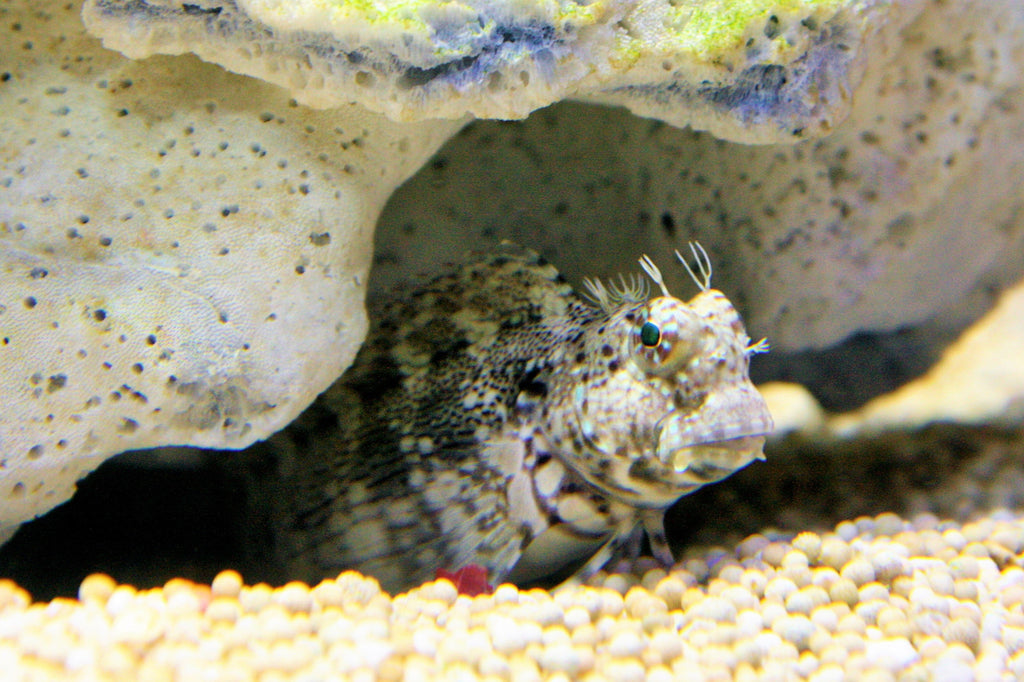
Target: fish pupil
650	335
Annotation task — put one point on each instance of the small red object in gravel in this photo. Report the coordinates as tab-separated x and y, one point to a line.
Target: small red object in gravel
469	580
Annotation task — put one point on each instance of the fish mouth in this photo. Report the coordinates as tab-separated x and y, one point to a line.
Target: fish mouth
727	433
712	461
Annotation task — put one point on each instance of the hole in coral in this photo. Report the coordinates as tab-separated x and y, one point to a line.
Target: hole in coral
365	79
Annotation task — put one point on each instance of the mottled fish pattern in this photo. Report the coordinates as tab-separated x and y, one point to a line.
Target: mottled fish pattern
495	417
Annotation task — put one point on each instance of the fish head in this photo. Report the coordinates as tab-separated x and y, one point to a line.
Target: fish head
666	403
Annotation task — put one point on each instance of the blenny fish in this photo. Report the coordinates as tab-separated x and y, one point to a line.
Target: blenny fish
495	417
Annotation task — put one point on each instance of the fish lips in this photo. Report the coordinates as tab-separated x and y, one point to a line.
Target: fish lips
708	462
725	434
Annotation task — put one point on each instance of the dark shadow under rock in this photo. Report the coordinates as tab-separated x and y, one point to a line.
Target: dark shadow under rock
145	524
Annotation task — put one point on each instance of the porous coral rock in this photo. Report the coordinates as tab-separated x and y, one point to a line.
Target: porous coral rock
183	252
910	211
746	70
140	217
936	110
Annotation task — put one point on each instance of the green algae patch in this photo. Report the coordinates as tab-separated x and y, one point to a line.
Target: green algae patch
443	30
715	29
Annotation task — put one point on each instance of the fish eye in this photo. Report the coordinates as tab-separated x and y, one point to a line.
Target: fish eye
650	335
665	337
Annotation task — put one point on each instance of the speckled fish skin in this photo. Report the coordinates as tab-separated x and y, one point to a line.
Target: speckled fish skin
493	411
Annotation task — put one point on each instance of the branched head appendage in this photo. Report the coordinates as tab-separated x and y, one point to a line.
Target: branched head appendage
703	265
761	346
627	290
654	273
703	283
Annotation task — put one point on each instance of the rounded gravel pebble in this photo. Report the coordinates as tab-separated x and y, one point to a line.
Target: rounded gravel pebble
835	552
877	599
859	570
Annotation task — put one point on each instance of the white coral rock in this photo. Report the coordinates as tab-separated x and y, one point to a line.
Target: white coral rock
908	212
750	71
183	252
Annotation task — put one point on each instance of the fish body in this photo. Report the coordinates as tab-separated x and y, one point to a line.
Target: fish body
495	417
